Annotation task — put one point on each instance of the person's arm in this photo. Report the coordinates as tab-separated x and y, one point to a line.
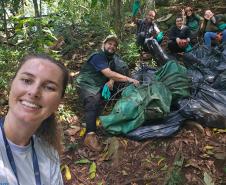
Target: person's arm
118	77
110	84
188	34
184	17
157	30
201	21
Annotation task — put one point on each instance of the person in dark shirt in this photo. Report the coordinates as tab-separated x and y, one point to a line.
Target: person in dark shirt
179	37
96	75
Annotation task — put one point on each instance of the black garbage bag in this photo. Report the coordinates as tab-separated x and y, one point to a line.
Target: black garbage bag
162	128
156	51
203	56
145	75
120	66
196	75
220	82
208	107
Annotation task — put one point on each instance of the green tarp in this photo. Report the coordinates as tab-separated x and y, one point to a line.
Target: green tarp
149	102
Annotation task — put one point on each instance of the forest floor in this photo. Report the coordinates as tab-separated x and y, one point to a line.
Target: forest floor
193	156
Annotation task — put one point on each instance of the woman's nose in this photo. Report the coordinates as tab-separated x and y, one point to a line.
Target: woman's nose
35	91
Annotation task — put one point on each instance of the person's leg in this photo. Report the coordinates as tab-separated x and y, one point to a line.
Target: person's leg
224	36
194	37
207	38
174	48
92	106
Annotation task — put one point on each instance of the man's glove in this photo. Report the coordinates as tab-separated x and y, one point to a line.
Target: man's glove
106	93
159	37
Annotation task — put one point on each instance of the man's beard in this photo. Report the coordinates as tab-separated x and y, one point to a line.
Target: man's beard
109	54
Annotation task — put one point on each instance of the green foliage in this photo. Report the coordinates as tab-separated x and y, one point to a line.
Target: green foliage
70	90
8	63
129	51
32	34
64	113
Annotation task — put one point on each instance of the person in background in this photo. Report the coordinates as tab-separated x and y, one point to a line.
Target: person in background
214	28
193	21
97	76
147	29
179	37
29	134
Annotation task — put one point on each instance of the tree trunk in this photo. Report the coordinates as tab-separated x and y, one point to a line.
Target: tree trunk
5	20
40	8
36	8
117	16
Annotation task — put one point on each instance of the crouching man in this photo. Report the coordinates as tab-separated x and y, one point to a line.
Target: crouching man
96	78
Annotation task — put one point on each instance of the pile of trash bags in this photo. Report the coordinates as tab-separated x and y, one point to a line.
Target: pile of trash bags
172	94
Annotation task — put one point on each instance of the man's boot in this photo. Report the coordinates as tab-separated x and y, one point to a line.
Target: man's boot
91	141
157	52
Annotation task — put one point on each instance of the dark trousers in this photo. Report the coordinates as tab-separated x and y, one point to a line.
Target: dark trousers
93	105
174	48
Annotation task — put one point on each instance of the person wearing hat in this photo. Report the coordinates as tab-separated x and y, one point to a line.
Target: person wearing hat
96	73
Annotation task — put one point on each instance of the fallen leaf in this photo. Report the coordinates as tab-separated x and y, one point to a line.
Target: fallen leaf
67	171
220	156
208	179
98	122
208	147
82	132
83	161
92	170
72	131
160	160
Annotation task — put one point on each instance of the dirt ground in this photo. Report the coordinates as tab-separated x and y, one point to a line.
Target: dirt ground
193	156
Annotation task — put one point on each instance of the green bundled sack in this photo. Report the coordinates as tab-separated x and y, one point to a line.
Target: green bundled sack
146	103
174	76
136	105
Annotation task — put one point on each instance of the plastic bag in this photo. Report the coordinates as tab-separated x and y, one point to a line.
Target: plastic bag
162	128
208	107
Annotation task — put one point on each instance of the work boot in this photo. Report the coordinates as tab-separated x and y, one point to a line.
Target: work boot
91	141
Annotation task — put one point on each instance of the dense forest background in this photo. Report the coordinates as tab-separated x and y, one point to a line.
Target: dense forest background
69	30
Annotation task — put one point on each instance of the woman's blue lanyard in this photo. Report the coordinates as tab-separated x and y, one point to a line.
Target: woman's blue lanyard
12	162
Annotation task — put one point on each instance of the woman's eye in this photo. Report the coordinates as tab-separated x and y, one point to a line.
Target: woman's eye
49	88
26	81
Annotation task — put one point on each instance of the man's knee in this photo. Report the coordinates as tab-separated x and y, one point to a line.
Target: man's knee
92	103
207	35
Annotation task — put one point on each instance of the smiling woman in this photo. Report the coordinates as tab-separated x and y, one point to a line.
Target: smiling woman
29	138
